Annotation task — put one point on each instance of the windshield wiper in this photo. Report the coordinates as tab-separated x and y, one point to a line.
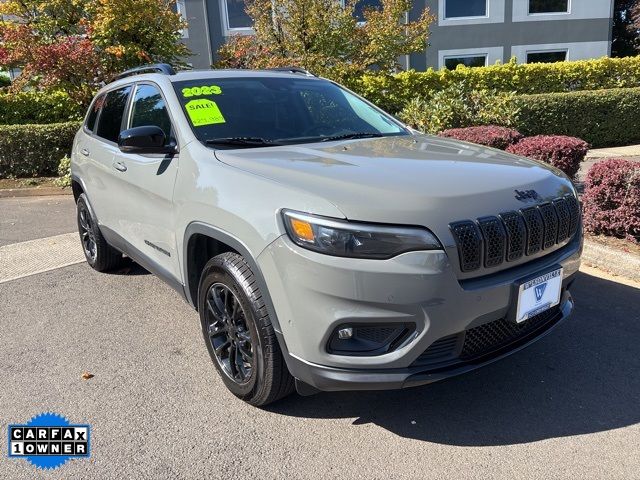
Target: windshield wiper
243	141
348	136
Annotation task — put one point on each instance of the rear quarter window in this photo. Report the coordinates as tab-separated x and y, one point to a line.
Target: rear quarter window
92	114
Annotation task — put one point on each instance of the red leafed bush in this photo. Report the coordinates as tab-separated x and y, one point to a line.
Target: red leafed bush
562	152
611	199
489	136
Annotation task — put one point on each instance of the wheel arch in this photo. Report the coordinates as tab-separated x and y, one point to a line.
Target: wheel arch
201	243
77	187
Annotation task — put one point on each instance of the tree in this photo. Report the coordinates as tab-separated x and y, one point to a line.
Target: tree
325	37
75	45
634	27
127	33
625	28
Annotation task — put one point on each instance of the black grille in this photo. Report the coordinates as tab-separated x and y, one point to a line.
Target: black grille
492	336
574	212
468	240
440	351
484	340
516	235
550	219
495	240
535	229
375	334
492	240
564	219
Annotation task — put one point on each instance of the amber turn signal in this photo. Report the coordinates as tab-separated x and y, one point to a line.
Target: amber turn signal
303	230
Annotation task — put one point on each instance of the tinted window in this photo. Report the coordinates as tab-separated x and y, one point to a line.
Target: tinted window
476	61
112	112
548	6
283	109
92	115
149	109
237	15
465	8
546	57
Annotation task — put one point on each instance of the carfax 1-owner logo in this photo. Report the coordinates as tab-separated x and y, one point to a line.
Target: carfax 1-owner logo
48	440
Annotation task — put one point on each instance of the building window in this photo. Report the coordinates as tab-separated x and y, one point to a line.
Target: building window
467	60
547	57
548	6
236	16
181	8
362	5
465	8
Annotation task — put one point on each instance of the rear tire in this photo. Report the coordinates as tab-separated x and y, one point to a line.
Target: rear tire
99	254
238	332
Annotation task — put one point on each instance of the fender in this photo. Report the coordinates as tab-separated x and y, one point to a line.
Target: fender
242	249
238	246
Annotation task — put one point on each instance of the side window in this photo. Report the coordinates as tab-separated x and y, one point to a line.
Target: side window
112	112
92	115
149	108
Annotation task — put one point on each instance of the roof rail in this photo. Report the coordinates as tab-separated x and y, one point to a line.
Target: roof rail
292	70
164	68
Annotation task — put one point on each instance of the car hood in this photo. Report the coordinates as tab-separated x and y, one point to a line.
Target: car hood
413	180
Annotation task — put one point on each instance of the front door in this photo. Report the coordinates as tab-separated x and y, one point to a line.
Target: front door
145	183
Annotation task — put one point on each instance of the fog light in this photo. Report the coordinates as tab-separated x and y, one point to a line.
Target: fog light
368	339
345	333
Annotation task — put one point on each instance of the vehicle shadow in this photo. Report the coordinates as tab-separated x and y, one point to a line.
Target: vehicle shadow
582	378
130	268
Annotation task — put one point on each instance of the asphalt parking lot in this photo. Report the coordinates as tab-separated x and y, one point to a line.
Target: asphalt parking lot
567	407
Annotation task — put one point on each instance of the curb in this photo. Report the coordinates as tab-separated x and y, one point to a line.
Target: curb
34	192
611	260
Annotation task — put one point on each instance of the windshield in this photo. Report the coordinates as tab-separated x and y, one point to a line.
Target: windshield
250	112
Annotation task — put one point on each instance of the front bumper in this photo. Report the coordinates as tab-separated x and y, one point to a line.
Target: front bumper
335	379
312	294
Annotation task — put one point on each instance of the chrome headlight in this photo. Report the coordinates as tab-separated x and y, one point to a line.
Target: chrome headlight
351	239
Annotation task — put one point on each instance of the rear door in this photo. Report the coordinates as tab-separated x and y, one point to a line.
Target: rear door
145	185
99	148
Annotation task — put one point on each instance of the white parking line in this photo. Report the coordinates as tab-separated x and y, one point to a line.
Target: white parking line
20	260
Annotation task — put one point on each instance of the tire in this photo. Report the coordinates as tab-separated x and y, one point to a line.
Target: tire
235	322
99	254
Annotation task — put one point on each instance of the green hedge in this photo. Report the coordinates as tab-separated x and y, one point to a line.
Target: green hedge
603	117
393	92
37	107
4	80
34	150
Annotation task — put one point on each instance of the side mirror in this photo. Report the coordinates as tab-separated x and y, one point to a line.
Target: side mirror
144	140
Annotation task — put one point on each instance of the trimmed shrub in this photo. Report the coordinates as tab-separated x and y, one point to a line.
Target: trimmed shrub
601	117
4	80
64	172
38	108
562	152
611	199
34	150
393	92
489	136
457	107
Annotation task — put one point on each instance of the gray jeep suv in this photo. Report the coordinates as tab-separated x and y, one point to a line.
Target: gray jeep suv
324	244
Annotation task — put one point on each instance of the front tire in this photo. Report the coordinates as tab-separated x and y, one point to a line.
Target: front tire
238	332
99	254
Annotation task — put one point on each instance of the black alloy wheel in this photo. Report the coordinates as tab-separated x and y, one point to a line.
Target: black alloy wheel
238	332
87	235
228	333
99	254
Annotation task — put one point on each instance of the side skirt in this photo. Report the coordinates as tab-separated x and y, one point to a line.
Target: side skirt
116	241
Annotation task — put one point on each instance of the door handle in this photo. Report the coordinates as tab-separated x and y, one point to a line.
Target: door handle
120	166
85	152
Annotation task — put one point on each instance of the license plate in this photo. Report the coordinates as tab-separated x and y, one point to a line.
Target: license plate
539	294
